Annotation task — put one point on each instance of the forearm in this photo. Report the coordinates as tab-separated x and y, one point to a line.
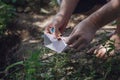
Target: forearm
106	14
67	7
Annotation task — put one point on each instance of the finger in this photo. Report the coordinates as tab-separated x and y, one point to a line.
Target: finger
81	47
112	53
71	39
56	32
62	28
97	49
77	43
101	53
98	54
47	28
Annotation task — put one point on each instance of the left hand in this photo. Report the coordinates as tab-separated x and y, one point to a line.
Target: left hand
81	36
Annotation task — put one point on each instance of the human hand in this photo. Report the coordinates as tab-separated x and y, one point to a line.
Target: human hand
81	36
59	23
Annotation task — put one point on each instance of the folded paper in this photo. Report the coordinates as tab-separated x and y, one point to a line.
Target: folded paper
54	44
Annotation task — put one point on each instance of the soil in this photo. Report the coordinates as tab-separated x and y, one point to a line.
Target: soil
24	35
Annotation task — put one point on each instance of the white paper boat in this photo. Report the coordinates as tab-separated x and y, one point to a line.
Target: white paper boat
54	44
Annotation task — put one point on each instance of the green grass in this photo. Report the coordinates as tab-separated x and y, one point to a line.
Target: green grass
6	14
62	67
44	64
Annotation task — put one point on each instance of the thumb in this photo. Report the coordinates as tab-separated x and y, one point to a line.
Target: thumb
56	32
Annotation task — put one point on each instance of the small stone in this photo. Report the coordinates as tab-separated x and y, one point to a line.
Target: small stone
19	9
27	9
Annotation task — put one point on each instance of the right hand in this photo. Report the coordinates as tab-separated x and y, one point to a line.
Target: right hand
59	23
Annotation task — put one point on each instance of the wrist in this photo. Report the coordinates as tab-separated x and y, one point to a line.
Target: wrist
94	20
64	15
89	26
60	17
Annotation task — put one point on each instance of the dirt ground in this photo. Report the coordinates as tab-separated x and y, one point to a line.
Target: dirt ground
27	35
31	26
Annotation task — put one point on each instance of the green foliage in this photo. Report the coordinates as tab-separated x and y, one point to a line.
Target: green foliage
14	1
31	66
53	2
40	65
5	15
38	68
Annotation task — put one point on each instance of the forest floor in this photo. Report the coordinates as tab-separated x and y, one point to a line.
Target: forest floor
30	27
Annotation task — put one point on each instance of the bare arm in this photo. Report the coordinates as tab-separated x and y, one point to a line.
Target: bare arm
67	7
84	32
61	19
104	15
